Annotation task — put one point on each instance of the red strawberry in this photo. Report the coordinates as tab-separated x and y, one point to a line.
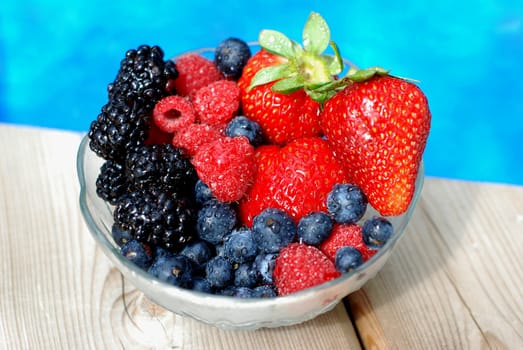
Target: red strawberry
217	103
296	178
194	72
300	266
346	235
278	82
379	129
227	166
282	117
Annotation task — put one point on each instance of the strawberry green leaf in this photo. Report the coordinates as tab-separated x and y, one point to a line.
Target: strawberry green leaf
270	74
320	96
336	65
316	34
288	85
365	74
277	43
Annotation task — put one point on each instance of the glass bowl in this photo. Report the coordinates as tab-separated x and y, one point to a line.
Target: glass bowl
223	311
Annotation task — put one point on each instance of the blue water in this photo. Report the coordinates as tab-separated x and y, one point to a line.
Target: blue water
56	59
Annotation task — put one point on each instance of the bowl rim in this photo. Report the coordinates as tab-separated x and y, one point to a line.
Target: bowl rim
227	301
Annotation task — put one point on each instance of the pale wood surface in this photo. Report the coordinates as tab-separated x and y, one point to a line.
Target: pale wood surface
454	281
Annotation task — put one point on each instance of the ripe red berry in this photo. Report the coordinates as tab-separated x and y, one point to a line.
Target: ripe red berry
227	166
194	72
173	113
195	135
346	235
218	102
300	266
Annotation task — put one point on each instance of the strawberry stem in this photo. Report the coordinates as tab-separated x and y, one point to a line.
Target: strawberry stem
307	67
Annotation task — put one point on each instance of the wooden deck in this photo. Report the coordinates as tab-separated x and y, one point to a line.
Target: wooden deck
454	281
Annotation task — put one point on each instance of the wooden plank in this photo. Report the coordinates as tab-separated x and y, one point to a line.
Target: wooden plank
59	291
456	278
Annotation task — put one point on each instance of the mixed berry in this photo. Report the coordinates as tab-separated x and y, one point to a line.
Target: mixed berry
238	176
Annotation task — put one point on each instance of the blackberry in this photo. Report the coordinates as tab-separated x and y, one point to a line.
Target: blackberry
111	183
143	76
142	166
121	125
162	166
157	218
178	174
124	120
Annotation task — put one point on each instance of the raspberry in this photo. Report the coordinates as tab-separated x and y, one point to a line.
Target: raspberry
194	72
194	135
346	235
157	136
218	102
300	266
173	113
227	166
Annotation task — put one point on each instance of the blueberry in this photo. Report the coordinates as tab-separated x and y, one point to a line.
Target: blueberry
272	230
242	292
120	236
202	192
227	291
219	249
346	203
263	265
264	292
137	252
347	259
245	276
215	221
243	126
219	272
199	252
377	231
314	228
231	56
200	284
240	246
173	269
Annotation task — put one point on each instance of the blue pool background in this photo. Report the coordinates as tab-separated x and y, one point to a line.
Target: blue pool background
56	58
